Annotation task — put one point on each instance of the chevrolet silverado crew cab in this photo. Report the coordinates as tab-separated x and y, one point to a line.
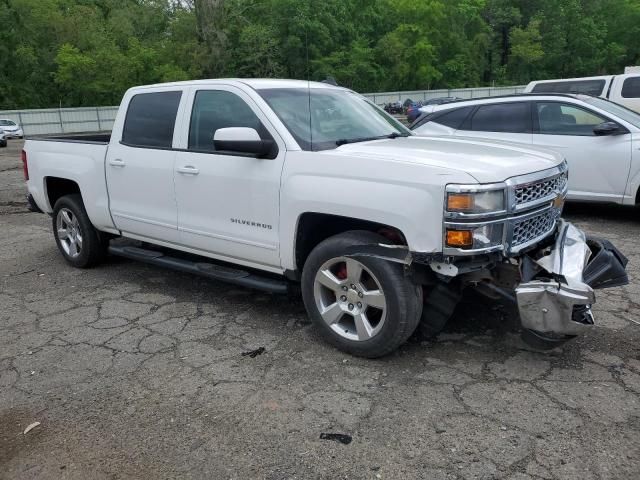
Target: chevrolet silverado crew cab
272	183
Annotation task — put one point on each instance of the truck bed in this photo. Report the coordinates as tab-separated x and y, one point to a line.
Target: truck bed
81	137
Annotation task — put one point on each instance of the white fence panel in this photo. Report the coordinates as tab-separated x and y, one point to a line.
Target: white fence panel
63	120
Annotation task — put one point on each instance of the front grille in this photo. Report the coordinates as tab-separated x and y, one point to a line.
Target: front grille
535	191
534	227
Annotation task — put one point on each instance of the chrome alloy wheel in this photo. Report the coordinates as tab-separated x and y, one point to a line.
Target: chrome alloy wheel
350	299
69	232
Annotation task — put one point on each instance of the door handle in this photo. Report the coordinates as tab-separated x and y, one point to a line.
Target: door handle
117	162
188	170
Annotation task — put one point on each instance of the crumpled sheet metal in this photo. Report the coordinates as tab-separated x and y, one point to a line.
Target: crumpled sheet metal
569	256
548	306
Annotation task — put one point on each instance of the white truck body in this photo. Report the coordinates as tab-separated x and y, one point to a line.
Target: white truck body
623	89
145	193
271	211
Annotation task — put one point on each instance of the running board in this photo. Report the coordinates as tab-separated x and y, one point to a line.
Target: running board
209	270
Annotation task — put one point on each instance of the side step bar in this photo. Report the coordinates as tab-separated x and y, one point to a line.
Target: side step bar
210	270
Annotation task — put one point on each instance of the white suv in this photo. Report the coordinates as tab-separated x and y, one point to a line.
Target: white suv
600	139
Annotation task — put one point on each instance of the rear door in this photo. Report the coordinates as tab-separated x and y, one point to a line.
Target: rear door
228	204
598	165
139	167
507	121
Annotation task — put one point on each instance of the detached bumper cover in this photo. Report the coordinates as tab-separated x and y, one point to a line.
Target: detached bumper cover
558	291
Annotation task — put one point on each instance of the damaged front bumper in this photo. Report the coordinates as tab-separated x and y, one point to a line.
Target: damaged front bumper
557	289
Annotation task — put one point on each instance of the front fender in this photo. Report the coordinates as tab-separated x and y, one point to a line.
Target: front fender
405	196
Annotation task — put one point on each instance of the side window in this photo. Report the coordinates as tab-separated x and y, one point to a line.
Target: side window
631	87
589	87
453	118
215	109
513	117
555	118
150	119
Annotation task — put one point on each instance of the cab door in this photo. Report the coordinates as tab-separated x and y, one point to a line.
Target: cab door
139	167
228	204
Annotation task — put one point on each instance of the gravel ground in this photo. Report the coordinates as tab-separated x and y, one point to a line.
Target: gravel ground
137	372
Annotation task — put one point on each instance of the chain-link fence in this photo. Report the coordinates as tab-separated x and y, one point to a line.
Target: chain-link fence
90	119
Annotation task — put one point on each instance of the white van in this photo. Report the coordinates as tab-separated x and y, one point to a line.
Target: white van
623	89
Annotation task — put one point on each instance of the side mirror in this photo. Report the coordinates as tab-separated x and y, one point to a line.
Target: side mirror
607	128
241	140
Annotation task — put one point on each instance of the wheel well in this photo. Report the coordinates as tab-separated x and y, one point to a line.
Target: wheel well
313	228
638	197
59	187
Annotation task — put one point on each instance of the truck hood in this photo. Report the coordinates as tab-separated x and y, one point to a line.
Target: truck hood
488	161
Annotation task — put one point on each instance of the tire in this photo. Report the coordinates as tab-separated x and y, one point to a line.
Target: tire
81	244
372	319
438	308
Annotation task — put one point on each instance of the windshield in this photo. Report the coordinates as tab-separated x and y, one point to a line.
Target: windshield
337	117
613	108
7	123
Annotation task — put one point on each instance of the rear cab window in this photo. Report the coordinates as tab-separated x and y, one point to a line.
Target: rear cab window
588	87
151	119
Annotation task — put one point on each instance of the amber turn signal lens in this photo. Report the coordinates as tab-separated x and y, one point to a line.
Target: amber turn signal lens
459	202
460	238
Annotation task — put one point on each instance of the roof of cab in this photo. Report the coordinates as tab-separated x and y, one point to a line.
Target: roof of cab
255	83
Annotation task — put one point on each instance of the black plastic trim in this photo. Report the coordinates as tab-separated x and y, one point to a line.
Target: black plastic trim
32	206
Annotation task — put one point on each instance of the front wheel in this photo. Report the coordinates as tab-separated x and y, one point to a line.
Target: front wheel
79	242
365	306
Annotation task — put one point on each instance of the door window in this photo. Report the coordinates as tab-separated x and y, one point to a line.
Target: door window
151	118
557	118
215	109
453	118
631	88
513	117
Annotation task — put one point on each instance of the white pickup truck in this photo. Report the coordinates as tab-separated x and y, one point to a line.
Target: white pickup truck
271	183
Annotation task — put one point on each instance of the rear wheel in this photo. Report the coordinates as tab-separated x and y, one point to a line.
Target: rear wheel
365	306
79	242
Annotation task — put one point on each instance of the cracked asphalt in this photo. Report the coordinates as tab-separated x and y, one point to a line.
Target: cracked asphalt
137	372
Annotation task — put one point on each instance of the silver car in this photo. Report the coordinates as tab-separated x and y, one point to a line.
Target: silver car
11	129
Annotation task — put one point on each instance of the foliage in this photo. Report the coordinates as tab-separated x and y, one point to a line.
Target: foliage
88	52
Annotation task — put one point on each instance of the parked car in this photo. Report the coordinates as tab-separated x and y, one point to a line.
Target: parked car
3	139
413	111
623	89
382	229
394	108
599	138
429	105
11	129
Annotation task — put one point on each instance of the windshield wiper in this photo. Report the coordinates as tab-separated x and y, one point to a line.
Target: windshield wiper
344	141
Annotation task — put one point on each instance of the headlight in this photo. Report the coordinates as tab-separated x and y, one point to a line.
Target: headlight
476	202
474	238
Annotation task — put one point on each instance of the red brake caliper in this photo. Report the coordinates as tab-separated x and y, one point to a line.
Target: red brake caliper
342	271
